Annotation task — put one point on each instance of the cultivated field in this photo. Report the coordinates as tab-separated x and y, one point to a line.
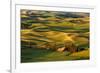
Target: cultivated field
54	36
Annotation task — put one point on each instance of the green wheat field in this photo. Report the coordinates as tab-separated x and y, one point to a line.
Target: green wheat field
54	36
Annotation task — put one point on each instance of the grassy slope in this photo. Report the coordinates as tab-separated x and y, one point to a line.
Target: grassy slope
31	55
83	54
46	55
55	32
54	35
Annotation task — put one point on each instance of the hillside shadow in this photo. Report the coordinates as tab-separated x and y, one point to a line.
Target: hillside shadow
33	54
